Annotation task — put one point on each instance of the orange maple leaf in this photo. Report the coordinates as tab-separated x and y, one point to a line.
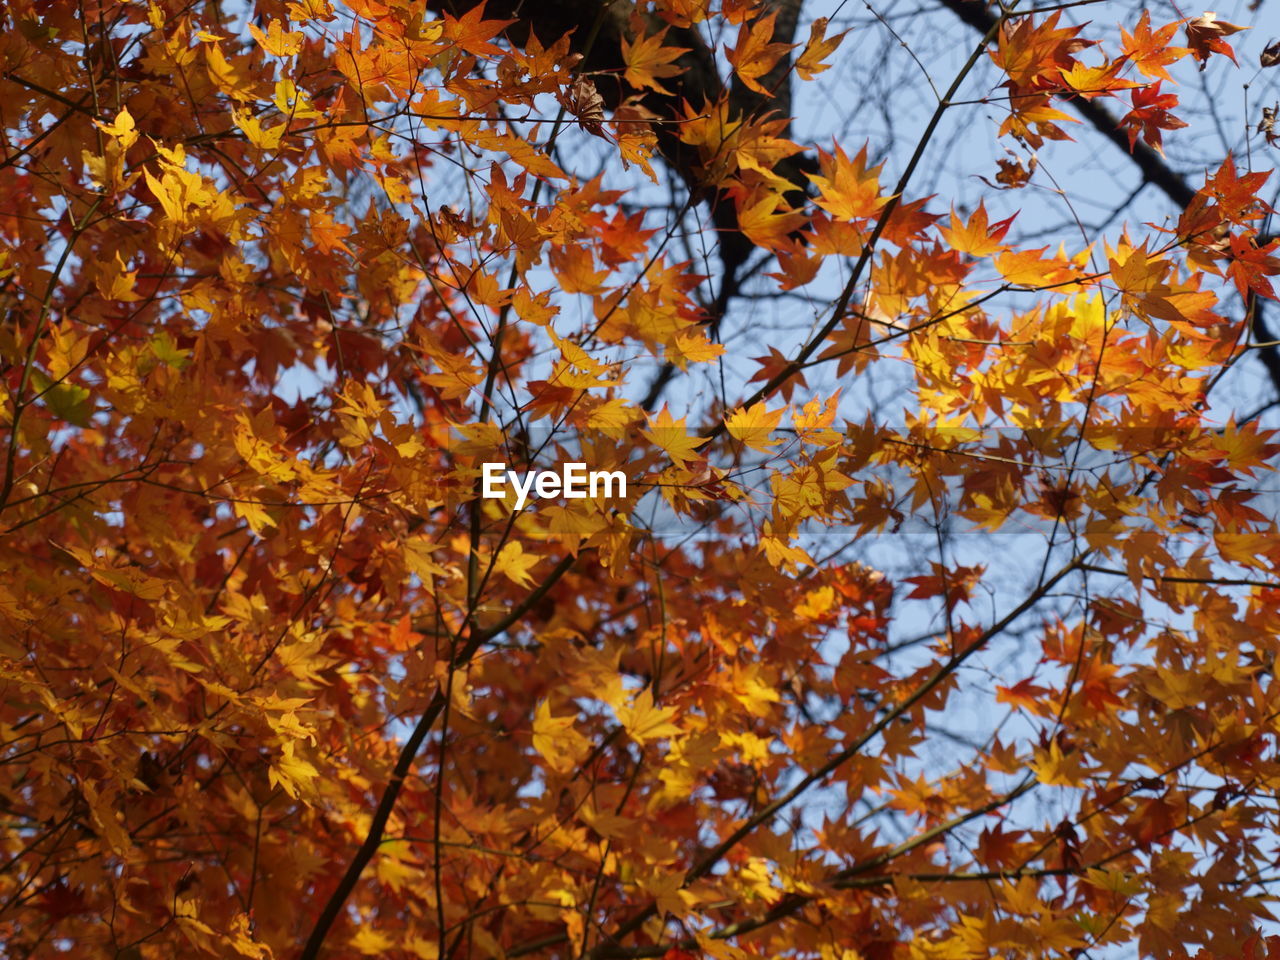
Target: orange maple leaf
755	56
809	64
774	364
848	189
1149	50
977	237
1024	694
647	60
472	32
767	221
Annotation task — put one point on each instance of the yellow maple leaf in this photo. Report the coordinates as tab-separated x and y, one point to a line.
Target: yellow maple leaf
1245	548
767	221
1022	897
264	139
292	102
605	822
753	691
232	77
161	190
254	514
816	603
293	774
242	940
514	564
107	819
1055	769
753	425
555	738
1176	689
664	886
674	437
121	129
1090	82
978	237
641	719
419	560
612	417
130	580
813	422
783	555
115	282
693	346
371	942
395	866
277	41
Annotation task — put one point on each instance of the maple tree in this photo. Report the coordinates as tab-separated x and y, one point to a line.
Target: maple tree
277	681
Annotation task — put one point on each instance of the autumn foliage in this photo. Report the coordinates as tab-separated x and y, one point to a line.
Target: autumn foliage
277	278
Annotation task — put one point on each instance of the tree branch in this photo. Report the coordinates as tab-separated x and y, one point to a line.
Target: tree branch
404	765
